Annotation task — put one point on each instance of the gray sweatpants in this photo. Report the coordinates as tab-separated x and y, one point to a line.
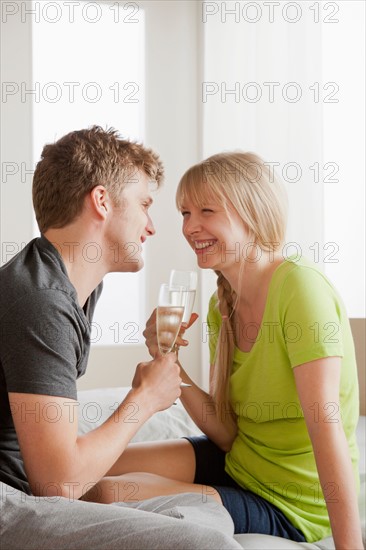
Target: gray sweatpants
178	522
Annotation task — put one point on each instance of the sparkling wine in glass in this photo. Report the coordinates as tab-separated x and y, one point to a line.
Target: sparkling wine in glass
171	303
187	282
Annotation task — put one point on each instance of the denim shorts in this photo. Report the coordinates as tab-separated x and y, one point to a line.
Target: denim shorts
250	512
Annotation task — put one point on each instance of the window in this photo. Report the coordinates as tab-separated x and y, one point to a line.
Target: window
88	68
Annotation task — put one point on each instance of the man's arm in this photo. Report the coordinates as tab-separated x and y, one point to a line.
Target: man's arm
58	461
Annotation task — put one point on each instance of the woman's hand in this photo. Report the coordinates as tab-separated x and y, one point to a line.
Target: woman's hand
180	341
150	333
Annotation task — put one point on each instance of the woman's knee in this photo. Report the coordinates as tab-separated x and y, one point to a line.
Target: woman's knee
123	488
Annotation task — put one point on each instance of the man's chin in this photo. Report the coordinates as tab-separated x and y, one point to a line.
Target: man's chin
134	267
139	265
130	267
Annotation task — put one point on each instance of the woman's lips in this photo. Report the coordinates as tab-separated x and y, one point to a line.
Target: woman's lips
203	246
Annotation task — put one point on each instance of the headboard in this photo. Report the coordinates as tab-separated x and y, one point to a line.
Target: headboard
358	327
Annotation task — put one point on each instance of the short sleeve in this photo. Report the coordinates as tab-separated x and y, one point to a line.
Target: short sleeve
311	311
42	341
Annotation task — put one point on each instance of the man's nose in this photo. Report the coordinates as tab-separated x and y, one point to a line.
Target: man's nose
150	227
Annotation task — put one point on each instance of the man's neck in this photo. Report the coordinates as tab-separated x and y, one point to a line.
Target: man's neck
82	256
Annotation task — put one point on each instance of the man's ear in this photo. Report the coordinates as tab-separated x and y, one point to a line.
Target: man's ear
100	200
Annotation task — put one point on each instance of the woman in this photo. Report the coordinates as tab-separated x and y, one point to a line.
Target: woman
279	449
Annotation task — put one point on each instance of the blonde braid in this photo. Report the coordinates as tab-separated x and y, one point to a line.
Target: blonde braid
225	347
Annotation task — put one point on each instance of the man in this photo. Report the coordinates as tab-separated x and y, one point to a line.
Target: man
90	190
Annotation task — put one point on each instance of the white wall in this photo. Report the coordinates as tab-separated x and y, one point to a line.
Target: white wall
16	143
344	141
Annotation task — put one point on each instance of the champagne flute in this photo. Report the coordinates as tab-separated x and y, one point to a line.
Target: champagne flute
187	280
169	316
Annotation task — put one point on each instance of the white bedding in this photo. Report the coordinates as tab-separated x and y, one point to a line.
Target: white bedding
95	406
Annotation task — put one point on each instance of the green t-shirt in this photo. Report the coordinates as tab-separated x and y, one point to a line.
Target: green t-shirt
304	320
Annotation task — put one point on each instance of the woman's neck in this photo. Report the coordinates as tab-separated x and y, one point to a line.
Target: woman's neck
251	280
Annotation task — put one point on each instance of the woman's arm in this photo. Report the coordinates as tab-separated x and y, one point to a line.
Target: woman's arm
220	428
317	384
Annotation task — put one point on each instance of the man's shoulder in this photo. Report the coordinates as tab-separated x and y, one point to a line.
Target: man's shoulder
14	258
35	273
37	265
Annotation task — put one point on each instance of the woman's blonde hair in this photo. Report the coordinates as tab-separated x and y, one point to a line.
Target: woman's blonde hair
244	182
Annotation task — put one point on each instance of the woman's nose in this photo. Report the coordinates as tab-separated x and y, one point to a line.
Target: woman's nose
191	226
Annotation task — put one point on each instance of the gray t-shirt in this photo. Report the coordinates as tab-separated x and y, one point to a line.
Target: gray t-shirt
44	340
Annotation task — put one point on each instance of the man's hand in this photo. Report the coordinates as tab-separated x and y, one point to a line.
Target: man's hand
150	335
160	380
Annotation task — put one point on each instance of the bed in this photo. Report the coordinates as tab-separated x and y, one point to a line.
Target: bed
97	405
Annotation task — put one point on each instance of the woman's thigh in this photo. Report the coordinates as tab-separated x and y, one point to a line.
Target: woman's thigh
174	459
146	470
